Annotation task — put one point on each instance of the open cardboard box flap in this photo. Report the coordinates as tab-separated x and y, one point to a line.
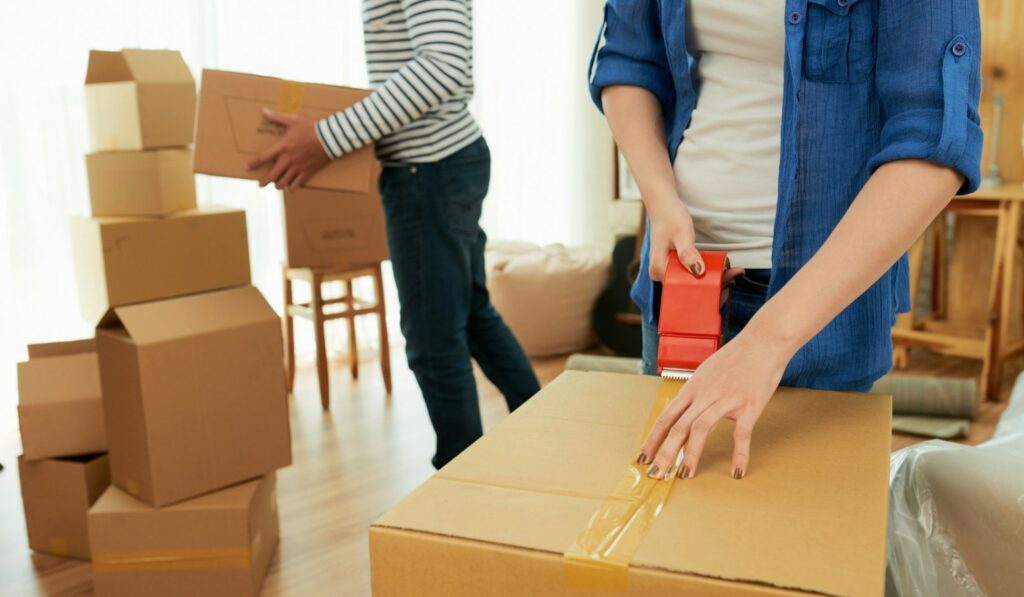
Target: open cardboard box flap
139	99
183	317
810	515
145	66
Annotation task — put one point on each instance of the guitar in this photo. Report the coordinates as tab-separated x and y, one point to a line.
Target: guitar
616	318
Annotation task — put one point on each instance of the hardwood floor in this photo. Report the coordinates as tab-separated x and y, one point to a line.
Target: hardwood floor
350	465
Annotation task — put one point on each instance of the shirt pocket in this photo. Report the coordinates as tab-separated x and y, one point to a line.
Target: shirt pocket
839	41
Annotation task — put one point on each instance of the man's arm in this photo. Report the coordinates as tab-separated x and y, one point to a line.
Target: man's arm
441	33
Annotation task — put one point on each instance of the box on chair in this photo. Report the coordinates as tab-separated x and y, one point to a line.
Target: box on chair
334	229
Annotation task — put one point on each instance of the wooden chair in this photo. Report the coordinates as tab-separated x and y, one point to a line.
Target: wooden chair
320	310
975	302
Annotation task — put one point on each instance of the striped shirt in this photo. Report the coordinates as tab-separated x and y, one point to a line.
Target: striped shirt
419	54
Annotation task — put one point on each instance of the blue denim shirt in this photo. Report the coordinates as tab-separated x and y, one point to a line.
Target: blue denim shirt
866	82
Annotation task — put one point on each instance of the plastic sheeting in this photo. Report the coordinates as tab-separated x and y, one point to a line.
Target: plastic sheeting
956	514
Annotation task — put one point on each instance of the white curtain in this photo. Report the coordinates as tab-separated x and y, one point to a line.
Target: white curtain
552	160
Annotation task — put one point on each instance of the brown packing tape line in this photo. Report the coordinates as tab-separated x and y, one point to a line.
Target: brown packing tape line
599	559
58	546
171	559
289	96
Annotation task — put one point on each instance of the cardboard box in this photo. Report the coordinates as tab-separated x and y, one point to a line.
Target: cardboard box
193	393
139	99
60	411
119	261
217	545
231	129
153	182
333	229
56	495
810	516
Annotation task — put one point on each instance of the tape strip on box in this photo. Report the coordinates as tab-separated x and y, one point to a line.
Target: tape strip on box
171	559
599	559
289	97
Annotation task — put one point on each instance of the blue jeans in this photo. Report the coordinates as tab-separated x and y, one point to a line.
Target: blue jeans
437	253
745	298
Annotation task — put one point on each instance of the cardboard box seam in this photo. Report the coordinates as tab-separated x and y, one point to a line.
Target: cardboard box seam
546	553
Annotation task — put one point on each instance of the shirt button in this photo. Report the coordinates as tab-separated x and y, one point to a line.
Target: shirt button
412	170
959	49
794	18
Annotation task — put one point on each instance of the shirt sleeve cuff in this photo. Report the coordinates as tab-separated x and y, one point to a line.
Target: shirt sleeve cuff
327	139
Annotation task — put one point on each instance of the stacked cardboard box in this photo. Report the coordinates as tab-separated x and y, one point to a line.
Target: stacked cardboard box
63	467
336	219
184	380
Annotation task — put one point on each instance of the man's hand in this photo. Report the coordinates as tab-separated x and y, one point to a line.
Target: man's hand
296	157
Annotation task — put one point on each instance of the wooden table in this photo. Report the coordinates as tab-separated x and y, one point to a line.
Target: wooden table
976	291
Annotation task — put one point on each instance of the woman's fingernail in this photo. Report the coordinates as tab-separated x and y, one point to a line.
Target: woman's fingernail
737	473
642	458
696	269
653	471
684	473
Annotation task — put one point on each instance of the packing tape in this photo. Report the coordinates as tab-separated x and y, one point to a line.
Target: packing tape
599	559
289	96
58	546
171	559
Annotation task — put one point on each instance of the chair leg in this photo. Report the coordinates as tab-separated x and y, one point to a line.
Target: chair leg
382	321
353	347
289	333
317	304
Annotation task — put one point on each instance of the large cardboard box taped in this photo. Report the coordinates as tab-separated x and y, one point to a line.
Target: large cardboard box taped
153	182
121	260
139	99
60	411
334	229
231	129
217	545
193	393
56	495
809	517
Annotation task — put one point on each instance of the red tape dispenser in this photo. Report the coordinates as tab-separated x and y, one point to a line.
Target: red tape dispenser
690	324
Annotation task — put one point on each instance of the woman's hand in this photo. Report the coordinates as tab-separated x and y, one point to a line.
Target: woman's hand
672	230
734	383
296	157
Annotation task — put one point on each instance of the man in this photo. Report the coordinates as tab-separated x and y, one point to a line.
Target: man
436	173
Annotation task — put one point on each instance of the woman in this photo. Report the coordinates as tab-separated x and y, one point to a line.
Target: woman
435	177
814	140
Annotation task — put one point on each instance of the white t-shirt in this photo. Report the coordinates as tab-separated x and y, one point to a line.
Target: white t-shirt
727	166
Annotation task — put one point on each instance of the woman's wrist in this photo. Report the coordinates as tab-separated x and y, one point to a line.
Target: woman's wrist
767	329
660	200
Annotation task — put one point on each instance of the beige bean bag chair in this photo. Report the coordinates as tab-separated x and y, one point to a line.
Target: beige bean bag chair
547	294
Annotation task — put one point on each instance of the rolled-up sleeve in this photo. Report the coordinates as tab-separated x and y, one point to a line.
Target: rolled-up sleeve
630	50
928	77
